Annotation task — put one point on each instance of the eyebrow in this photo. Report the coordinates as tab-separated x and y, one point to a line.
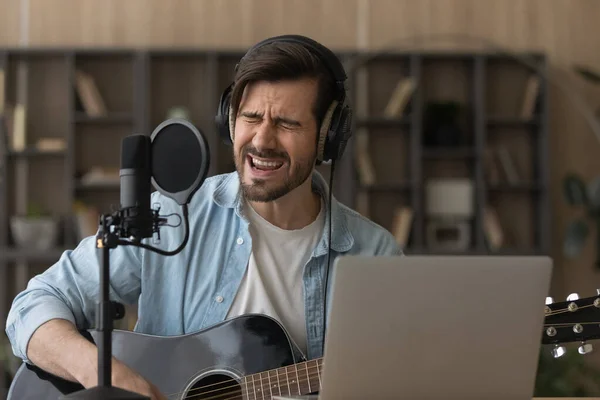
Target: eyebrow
254	114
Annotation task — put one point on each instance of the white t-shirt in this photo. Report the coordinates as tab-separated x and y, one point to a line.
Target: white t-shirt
273	283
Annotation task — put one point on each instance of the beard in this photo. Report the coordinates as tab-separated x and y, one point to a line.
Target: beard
266	190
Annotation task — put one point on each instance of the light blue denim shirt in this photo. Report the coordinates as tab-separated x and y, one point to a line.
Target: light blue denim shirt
194	289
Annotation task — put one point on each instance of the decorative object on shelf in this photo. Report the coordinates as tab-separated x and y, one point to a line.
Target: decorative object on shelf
448	234
449	207
449	197
37	230
441	124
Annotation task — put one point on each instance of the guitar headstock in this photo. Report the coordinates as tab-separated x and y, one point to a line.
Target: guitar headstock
572	320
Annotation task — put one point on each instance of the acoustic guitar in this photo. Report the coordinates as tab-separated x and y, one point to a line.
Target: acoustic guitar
251	357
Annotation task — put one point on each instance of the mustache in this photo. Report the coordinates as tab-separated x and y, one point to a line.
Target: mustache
251	150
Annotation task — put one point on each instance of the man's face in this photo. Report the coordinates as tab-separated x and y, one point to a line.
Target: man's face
275	138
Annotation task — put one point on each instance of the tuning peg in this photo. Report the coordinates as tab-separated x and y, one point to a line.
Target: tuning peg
598	292
558	351
549	300
585	348
573	296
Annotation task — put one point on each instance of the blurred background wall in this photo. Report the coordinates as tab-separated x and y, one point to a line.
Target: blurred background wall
567	31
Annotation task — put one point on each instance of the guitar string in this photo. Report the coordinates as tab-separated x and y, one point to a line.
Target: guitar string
255	395
566	310
237	385
309	376
573	323
249	392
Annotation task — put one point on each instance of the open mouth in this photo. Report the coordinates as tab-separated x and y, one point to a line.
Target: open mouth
264	165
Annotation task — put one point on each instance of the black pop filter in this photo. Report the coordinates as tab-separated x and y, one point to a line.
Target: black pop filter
180	159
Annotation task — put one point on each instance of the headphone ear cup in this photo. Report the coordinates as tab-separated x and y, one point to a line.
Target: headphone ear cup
339	132
222	118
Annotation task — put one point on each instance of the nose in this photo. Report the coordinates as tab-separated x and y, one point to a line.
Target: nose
265	136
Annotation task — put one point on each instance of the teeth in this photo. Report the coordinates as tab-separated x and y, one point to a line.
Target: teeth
266	163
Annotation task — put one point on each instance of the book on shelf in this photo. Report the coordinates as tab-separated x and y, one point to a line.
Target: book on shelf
402	224
2	91
532	89
51	144
89	95
508	165
400	97
500	166
362	204
19	128
365	168
493	230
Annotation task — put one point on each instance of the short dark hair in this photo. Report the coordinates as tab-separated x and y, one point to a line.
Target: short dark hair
285	61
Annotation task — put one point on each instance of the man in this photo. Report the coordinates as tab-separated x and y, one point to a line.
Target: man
259	238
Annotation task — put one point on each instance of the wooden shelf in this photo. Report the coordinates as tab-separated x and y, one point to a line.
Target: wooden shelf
12	254
98	186
112	118
35	152
449	152
387	187
511	122
383	122
517	187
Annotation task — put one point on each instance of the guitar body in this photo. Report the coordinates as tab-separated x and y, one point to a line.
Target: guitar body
183	367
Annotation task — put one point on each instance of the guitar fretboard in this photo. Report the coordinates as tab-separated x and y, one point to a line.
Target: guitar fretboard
297	379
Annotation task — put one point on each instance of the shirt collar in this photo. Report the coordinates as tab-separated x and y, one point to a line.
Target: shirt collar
228	195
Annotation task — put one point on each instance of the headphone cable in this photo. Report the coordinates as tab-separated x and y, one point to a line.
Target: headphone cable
328	254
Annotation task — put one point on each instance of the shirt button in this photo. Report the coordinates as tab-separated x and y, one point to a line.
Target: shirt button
240	240
219	299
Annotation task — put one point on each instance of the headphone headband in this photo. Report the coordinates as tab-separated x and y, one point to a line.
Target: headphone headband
331	61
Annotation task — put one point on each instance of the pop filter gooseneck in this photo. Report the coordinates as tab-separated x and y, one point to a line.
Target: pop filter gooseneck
179	159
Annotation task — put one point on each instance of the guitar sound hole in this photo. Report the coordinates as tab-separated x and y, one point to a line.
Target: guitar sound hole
214	387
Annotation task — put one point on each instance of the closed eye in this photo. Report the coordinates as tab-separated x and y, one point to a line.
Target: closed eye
287	123
251	116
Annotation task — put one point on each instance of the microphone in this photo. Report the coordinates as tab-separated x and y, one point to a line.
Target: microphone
135	187
175	159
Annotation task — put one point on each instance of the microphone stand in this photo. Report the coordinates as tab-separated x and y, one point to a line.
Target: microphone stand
106	311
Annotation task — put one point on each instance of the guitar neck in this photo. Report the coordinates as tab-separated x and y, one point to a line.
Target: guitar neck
296	379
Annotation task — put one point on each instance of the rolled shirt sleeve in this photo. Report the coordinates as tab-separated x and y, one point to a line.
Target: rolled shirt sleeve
69	290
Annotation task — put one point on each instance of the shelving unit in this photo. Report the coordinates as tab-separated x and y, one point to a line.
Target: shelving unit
139	87
489	88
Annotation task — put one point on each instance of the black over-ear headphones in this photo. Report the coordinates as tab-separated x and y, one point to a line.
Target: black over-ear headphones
336	127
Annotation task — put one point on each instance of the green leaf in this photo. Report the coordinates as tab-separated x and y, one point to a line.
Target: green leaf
575	190
587	73
593	192
576	235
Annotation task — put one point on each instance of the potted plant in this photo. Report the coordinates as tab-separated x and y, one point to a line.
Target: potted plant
567	376
37	229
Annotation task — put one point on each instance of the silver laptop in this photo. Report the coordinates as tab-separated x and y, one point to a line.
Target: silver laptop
432	327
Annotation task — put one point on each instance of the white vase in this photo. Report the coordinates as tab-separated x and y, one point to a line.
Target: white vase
39	233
